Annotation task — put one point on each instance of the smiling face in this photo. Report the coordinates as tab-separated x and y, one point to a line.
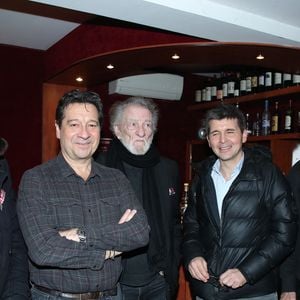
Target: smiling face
135	130
79	133
226	139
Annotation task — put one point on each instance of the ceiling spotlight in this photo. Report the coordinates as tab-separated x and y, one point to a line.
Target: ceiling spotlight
79	79
110	66
175	56
260	56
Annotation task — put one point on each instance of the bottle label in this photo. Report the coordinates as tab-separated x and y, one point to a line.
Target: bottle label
198	96
225	89
287	76
296	78
214	91
243	85
208	93
275	123
254	81
268	81
248	84
219	94
278	78
287	123
231	87
261	80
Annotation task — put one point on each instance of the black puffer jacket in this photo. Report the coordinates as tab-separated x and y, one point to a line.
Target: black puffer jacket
257	231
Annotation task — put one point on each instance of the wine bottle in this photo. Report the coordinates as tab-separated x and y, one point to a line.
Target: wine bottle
277	80
243	89
225	87
248	84
261	82
296	79
287	79
288	118
266	120
254	83
275	120
257	125
231	86
268	81
248	128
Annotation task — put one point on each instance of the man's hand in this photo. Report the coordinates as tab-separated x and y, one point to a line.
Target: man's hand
288	296
232	278
127	216
198	269
70	234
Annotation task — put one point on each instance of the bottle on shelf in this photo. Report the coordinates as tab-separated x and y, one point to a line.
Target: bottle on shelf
231	86
248	127
266	120
257	125
296	79
225	87
184	199
219	90
203	94
198	96
243	89
254	83
268	81
261	82
277	80
237	85
275	120
288	118
287	79
214	89
248	84
208	93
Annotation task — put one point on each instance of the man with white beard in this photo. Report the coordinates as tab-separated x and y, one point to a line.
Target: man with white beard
149	272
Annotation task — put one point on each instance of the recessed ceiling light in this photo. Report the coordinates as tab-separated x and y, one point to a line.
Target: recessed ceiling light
260	56
175	56
79	79
110	66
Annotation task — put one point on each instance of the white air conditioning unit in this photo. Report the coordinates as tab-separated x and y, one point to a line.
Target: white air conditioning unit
157	85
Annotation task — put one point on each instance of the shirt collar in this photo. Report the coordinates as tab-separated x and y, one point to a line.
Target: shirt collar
67	170
236	170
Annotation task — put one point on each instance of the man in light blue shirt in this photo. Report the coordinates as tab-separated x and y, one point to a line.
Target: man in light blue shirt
240	224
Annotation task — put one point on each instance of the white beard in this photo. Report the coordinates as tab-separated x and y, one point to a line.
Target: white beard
138	150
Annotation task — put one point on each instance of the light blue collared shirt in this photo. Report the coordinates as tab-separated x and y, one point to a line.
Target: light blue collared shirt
221	185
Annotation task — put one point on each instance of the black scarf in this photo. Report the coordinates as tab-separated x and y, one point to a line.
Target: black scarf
117	154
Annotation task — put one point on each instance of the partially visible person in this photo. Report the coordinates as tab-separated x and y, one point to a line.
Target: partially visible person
290	269
3	147
240	224
76	215
14	281
151	272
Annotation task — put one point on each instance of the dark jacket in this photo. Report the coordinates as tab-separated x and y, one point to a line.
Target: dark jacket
290	269
14	282
168	186
257	230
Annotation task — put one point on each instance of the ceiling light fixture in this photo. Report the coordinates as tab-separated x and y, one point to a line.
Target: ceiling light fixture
110	66
175	56
79	79
260	56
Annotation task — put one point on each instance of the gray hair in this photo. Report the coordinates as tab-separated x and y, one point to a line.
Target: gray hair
117	110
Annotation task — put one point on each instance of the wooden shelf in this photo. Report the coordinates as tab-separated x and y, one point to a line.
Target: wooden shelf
247	98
